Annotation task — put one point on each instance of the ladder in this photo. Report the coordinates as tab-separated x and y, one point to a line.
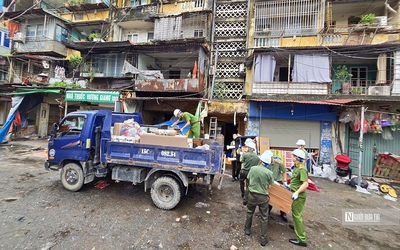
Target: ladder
213	128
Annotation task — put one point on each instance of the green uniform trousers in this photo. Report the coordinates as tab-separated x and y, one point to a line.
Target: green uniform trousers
261	201
194	131
297	213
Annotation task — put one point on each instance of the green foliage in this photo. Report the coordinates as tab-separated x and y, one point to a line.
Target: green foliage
63	84
75	60
342	74
367	18
219	90
92	36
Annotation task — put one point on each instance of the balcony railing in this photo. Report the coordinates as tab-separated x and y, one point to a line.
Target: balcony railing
290	88
361	87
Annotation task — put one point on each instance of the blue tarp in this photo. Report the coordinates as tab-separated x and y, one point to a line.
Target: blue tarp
22	104
180	125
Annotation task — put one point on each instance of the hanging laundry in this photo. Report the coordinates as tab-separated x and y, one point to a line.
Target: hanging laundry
13	27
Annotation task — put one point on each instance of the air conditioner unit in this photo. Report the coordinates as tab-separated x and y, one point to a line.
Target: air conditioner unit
379	90
381	20
19	37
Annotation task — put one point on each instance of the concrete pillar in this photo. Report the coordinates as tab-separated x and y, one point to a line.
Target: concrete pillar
43	119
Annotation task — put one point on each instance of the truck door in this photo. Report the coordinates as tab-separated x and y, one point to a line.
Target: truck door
70	137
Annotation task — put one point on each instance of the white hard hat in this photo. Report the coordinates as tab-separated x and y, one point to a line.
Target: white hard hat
248	140
299	153
176	112
266	157
268	152
250	144
301	142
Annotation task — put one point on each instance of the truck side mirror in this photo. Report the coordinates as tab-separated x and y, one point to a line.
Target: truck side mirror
54	128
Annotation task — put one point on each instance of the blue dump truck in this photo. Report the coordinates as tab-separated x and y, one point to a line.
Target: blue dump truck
82	148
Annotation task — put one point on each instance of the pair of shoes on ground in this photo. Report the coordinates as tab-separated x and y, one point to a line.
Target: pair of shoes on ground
247	232
234	179
298	243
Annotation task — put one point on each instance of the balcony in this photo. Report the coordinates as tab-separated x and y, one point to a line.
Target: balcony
366	87
290	88
42	45
169	85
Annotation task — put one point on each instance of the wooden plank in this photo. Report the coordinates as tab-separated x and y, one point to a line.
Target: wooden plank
280	198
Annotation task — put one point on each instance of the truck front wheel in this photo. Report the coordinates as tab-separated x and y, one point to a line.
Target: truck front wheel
165	192
72	177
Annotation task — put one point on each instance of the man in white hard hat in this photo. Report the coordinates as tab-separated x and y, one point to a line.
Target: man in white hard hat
248	159
259	178
190	120
298	186
301	145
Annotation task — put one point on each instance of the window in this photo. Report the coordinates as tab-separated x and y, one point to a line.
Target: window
36	31
136	3
288	17
61	34
132	37
30	31
72	125
198	33
359	78
150	36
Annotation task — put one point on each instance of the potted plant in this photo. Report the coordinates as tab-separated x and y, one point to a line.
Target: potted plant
367	19
75	61
98	73
343	76
93	37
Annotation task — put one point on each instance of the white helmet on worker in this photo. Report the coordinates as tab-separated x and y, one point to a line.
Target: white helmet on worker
250	144
176	112
299	153
266	157
300	143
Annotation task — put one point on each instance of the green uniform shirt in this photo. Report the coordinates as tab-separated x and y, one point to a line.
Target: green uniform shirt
259	178
277	170
299	176
249	159
189	117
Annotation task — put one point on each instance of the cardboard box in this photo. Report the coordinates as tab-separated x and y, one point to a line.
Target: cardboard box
117	128
280	198
164	140
264	144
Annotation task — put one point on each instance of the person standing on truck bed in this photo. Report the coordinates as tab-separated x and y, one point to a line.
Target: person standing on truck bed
191	120
259	177
248	159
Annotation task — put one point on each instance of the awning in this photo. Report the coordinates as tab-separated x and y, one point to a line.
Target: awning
337	102
92	96
27	91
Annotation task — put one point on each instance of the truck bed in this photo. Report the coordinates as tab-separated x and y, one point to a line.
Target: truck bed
193	160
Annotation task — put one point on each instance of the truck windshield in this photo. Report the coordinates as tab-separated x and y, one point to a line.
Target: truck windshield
71	125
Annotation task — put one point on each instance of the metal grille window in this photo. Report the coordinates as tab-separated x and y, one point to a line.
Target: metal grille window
289	17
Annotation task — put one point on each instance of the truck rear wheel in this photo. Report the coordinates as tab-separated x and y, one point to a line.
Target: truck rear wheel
72	177
166	192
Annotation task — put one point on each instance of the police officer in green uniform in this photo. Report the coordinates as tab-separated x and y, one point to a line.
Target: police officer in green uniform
248	159
279	174
191	120
298	186
259	178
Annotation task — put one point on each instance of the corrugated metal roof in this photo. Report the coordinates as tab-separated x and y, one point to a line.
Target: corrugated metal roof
337	102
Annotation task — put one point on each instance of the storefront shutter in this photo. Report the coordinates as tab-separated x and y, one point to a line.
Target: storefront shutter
285	133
